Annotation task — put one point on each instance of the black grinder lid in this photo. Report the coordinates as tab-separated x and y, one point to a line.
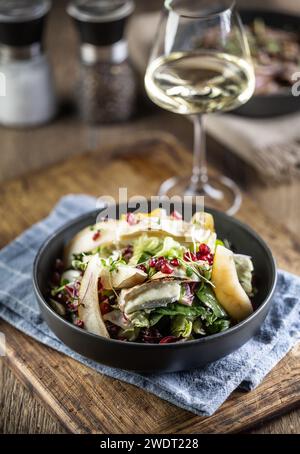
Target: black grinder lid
22	21
100	22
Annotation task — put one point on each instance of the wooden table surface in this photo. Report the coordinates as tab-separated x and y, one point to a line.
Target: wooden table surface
86	403
20	411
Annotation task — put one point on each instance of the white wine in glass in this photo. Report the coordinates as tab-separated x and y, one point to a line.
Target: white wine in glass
201	64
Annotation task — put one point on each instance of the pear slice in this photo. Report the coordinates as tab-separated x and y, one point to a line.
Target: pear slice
228	289
205	220
123	276
87	239
89	309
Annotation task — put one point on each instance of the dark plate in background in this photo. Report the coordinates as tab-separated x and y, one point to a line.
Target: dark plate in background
273	104
154	357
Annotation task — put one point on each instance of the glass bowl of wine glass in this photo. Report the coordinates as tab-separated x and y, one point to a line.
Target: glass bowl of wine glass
200	64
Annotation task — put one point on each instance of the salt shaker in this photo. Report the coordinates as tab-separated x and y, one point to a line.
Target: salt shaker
26	83
106	91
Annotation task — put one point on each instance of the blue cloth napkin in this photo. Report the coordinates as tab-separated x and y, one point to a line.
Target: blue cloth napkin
201	391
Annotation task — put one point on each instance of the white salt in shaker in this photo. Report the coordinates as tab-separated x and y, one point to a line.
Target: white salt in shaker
27	95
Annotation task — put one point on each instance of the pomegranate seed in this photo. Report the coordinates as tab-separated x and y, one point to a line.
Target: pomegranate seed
174	262
210	259
168	339
79	323
152	262
206	258
96	236
105	308
176	215
166	269
142	267
130	218
199	256
160	262
189	257
204	249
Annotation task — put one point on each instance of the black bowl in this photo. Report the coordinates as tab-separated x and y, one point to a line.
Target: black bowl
156	357
276	104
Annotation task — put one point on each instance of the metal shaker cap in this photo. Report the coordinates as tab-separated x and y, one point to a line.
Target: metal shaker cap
100	10
100	22
23	10
22	21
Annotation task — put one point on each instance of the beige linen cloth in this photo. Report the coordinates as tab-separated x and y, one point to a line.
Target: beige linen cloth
271	146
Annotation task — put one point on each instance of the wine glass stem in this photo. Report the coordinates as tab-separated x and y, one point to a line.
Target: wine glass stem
199	173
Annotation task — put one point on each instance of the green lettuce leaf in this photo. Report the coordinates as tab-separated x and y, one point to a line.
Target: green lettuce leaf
179	309
140	319
170	248
144	244
130	333
198	327
144	257
154	318
219	242
181	326
218	326
206	295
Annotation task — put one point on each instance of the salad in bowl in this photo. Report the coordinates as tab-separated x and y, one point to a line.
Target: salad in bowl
152	278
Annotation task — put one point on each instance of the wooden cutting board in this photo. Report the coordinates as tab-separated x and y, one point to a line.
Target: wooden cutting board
83	400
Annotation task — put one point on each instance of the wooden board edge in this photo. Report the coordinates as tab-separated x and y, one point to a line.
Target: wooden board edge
267	418
28	379
24	374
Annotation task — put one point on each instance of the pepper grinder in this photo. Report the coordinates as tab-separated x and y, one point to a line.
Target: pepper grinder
27	96
106	90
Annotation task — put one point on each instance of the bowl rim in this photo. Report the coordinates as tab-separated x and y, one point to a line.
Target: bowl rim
211	338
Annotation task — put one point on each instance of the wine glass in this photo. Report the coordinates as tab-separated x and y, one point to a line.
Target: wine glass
200	64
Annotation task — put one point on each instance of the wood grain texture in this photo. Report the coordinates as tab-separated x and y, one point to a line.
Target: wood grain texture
20	412
86	402
287	424
82	400
21	150
24	150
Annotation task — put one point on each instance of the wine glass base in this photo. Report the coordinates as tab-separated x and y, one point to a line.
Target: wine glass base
221	193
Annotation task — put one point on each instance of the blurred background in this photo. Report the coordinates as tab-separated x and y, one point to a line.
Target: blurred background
66	125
